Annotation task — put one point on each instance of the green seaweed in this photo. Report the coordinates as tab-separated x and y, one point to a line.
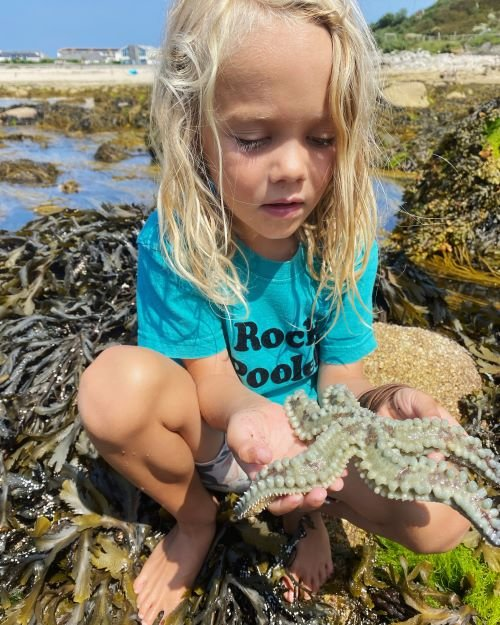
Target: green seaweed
460	571
493	136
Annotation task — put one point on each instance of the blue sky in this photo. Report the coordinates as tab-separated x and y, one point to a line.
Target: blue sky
46	25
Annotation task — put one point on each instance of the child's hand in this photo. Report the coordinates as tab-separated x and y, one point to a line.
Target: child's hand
262	433
410	403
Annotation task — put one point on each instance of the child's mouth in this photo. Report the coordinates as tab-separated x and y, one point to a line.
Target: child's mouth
283	209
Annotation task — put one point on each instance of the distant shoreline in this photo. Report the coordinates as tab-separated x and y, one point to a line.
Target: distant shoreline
75	75
401	66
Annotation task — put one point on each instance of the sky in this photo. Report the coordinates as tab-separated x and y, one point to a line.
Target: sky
46	25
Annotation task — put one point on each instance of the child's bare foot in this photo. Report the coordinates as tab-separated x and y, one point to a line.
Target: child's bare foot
171	569
313	564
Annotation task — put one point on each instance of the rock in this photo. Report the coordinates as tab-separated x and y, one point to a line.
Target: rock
450	217
24	171
19	114
70	186
456	95
110	152
407	94
425	360
49	208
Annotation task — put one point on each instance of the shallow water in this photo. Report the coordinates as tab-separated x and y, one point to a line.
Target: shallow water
389	195
129	181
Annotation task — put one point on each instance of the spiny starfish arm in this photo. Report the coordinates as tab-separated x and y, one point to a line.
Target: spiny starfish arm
391	456
422	436
298	475
425	479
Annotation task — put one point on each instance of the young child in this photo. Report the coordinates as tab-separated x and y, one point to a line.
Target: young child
255	279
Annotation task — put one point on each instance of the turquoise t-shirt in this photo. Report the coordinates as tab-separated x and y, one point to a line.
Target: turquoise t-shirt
276	348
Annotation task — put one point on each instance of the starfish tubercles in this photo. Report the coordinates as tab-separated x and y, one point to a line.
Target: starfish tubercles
390	455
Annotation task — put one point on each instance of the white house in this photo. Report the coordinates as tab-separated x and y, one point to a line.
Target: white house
88	55
28	56
137	54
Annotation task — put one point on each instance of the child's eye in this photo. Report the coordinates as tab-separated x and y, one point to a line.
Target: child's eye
247	145
323	142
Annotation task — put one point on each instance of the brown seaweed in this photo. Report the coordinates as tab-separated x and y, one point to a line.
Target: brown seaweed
25	171
74	532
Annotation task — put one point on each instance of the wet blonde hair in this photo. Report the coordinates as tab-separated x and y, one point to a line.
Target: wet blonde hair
340	231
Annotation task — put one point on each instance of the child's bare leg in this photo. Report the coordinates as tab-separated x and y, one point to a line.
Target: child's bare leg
313	564
141	411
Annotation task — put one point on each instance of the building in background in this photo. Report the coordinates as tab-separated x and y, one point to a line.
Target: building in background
137	55
88	55
26	56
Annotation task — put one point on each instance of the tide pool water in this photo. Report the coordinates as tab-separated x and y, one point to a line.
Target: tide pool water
132	180
129	181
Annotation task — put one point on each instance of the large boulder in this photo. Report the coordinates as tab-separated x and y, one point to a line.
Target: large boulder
423	359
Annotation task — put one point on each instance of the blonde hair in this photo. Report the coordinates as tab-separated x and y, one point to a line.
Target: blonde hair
340	232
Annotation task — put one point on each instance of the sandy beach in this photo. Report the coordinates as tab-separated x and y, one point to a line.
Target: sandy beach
400	66
75	75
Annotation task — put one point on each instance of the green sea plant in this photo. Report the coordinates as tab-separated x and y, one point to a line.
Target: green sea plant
492	132
434	582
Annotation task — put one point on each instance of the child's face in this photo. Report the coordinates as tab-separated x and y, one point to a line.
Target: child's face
276	133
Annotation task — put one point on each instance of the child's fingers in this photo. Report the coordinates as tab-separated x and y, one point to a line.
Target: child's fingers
338	484
306	503
284	505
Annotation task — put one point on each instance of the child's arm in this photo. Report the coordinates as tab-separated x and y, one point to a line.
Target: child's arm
351	375
257	429
423	527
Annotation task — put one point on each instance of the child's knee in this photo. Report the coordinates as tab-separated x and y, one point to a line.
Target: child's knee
119	389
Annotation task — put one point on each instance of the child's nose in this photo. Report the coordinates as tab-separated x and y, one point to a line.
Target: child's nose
289	164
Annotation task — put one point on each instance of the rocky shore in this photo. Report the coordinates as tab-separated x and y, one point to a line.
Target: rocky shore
404	65
66	292
436	68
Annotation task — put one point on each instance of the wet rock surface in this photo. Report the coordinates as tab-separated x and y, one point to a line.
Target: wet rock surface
25	171
110	152
106	113
408	136
70	186
19	115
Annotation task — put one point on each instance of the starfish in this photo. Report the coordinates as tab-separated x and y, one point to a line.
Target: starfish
390	455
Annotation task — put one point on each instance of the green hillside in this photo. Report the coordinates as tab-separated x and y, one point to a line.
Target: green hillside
445	26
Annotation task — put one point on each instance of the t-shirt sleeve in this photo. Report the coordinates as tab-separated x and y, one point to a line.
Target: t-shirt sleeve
173	317
351	337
